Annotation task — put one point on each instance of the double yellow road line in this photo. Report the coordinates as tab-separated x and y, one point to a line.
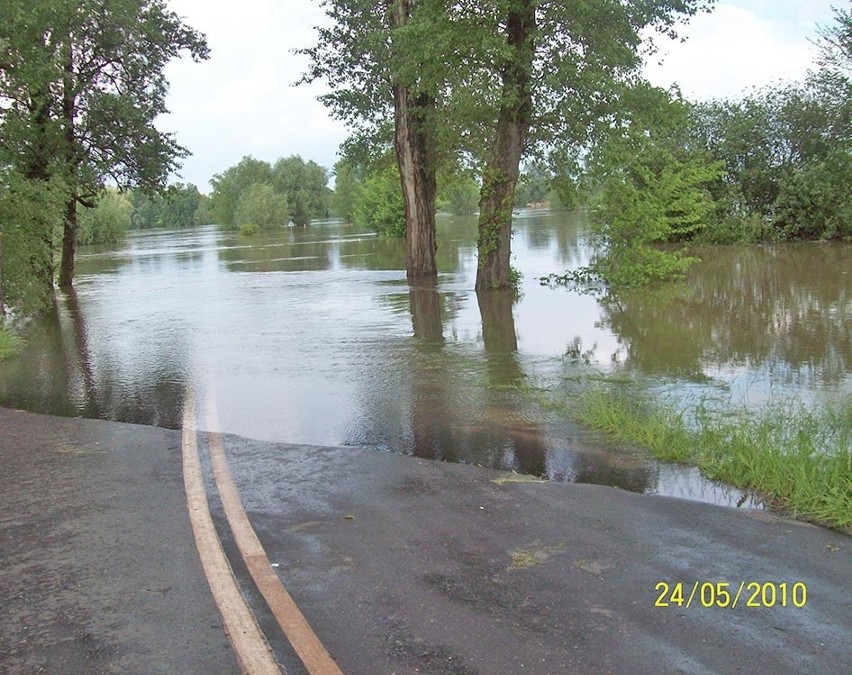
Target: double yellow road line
250	645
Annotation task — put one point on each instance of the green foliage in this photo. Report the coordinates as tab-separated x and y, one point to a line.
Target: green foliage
786	155
651	190
814	203
734	227
516	279
489	81
347	188
230	184
301	185
179	206
31	213
204	211
791	457
249	229
836	44
304	185
10	344
458	192
83	84
107	221
261	206
380	204
534	185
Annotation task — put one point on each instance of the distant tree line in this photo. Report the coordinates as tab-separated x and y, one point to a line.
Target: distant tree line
369	193
113	213
258	194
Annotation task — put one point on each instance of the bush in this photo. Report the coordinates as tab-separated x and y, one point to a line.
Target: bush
656	200
814	203
261	206
107	222
10	344
380	205
249	229
740	229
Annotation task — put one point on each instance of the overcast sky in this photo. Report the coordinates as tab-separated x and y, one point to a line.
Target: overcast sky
242	100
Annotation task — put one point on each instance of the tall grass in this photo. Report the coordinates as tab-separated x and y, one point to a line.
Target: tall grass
792	457
10	344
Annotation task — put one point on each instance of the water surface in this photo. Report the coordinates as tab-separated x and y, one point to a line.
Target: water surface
313	335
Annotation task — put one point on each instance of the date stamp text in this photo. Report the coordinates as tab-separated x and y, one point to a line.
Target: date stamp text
725	594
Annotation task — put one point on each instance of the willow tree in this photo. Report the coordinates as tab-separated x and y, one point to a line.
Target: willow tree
98	79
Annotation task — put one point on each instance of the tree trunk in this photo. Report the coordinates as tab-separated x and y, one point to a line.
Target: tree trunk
416	155
66	265
37	168
2	296
501	172
69	240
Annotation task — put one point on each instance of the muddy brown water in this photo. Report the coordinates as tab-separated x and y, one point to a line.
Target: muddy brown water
314	336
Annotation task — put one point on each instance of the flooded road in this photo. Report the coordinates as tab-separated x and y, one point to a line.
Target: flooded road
314	336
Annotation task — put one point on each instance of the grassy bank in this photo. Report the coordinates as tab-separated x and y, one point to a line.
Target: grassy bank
10	344
793	458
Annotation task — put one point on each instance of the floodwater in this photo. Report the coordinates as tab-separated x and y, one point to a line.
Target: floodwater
314	336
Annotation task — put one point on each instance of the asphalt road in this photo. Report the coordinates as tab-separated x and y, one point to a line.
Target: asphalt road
98	567
400	565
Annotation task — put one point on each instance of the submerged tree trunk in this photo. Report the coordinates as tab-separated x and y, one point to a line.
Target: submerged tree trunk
2	295
66	265
416	154
69	236
501	172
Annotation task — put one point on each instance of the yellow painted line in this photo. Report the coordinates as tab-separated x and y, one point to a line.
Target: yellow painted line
307	645
252	650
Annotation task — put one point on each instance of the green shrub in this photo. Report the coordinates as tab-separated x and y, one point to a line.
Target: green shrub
249	229
108	221
10	344
380	205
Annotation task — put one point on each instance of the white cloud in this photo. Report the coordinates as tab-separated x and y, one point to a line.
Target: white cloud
731	50
242	100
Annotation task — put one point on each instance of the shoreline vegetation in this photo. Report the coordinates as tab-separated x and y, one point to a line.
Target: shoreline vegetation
10	344
792	458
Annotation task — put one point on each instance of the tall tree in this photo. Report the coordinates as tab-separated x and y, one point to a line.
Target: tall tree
304	184
551	77
507	78
100	78
414	141
500	178
231	183
836	44
31	134
371	56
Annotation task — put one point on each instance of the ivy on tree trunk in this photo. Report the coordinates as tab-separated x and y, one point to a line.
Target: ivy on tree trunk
501	172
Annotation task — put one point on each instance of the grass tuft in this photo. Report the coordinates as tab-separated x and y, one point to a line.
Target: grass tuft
793	457
10	344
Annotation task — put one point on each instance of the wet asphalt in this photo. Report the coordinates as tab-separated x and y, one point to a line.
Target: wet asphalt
401	565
